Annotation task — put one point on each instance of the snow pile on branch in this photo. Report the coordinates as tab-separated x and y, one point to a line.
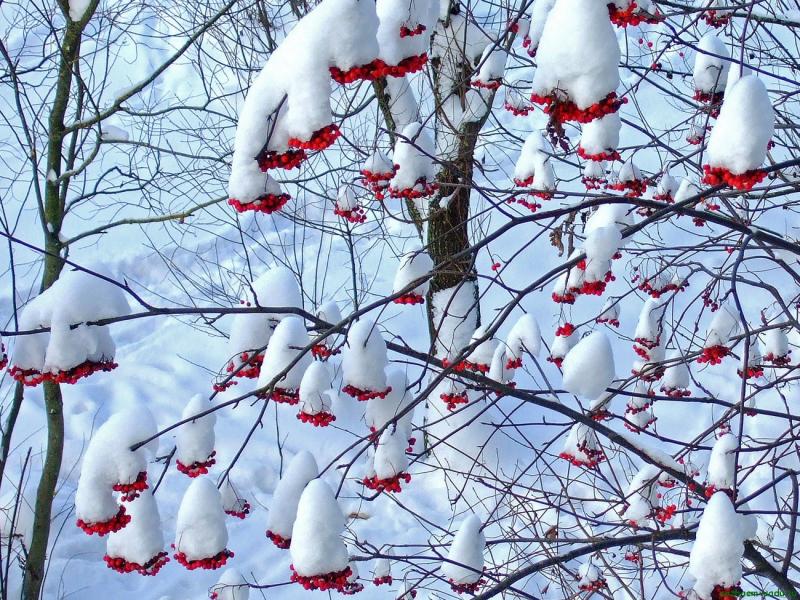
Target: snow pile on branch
565	338
347	206
676	377
455	318
600	138
524	336
250	332
629	179
194	441
413	158
230	586
492	65
381	411
67	354
319	555
722	466
710	73
200	532
776	347
582	448
590	577
649	327
738	145
539	13
533	167
464	565
324	349
139	547
403	36
716	557
364	361
285	353
483	347
317	396
609	314
390	462
376	173
283	510
382	572
413	266
641	497
639	410
110	465
589	367
578	59
722	328
232	503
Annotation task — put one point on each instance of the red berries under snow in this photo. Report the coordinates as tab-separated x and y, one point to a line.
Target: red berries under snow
590	578
267	199
581	447
533	168
710	72
524	337
737	147
347	206
376	173
317	396
389	464
600	138
721	474
194	442
722	328
716	557
285	362
589	366
413	158
230	586
464	565
232	502
139	547
415	267
283	509
200	531
363	362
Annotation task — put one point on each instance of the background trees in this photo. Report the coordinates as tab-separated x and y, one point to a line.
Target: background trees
118	137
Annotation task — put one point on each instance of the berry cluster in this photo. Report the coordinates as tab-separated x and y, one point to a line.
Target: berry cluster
378	69
608	155
151	567
198	467
250	367
600	414
244	510
753	372
633	556
649	373
322	352
561	111
556	360
321	419
130	491
466	588
285	396
101	528
566	298
492	84
406	31
713	355
265	203
612	322
422	189
364	395
630	16
211	563
280	541
319	140
527	182
712	101
744	181
410	298
352	588
325	581
647	343
664	514
593	586
712	489
33	377
673	392
384	579
782	360
517	111
353	215
656	292
270	159
378	182
635	428
531	206
719	592
514	363
453	400
3	356
633	188
593	183
565	330
390	484
591	459
27	377
716	19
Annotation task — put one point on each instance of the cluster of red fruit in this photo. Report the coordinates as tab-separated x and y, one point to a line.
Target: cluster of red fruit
664	514
422	189
715	18
390	484
712	489
151	567
33	377
565	298
647	286
782	360
3	357
280	541
364	395
211	563
378	181
410	298
406	31
244	510
633	556
322	352
326	581
600	414
602	320
130	491
198	467
565	330
319	140
722	176
453	400
283	396
514	363
270	159
633	188
593	183
608	155
383	579
352	215
753	372
713	355
531	206
527	182
635	428
249	368
517	111
492	84
593	456
101	528
378	69
556	360
712	100
321	419
352	588
720	592
265	203
561	111
673	392
466	588
630	16
649	373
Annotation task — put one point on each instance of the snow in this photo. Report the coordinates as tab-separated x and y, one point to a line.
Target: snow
194	441
610	311
629	172
390	455
381	411
717	551
316	389
601	136
561	345
200	530
578	53
402	104
231	586
78	8
539	13
723	326
776	343
283	509
722	464
465	557
414	155
667	186
454	318
641	495
285	347
649	325
317	547
609	214
483	352
589	366
492	66
364	357
524	336
498	368
687	189
676	375
532	157
414	265
394	14
346	198
141	539
711	65
744	127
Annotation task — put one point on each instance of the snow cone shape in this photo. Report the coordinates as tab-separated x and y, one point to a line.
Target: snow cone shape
492	66
200	532
250	332
641	496
716	557
630	181
413	158
524	336
382	572
594	175
285	352
710	72
232	502
381	411
589	367
738	144
564	340
319	555
363	362
330	313
390	462
578	58
347	206
753	368
480	359
464	565
376	172
267	200
649	327
676	377
194	442
776	348
317	396
632	12
139	547
723	326
667	188
609	314
533	168
581	447
600	138
590	578
722	466
601	246
414	266
639	410
539	13
230	586
404	36
283	510
109	465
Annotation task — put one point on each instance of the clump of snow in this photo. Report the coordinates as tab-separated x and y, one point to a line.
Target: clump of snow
609	313
481	356
414	161
413	266
539	13
194	441
317	547
464	566
722	464
233	503
711	65
676	376
590	578
317	394
723	327
581	448
231	586
455	318
492	65
641	496
381	411
201	536
600	138
589	366
405	31
283	509
139	546
286	351
364	360
390	463
533	167
523	337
